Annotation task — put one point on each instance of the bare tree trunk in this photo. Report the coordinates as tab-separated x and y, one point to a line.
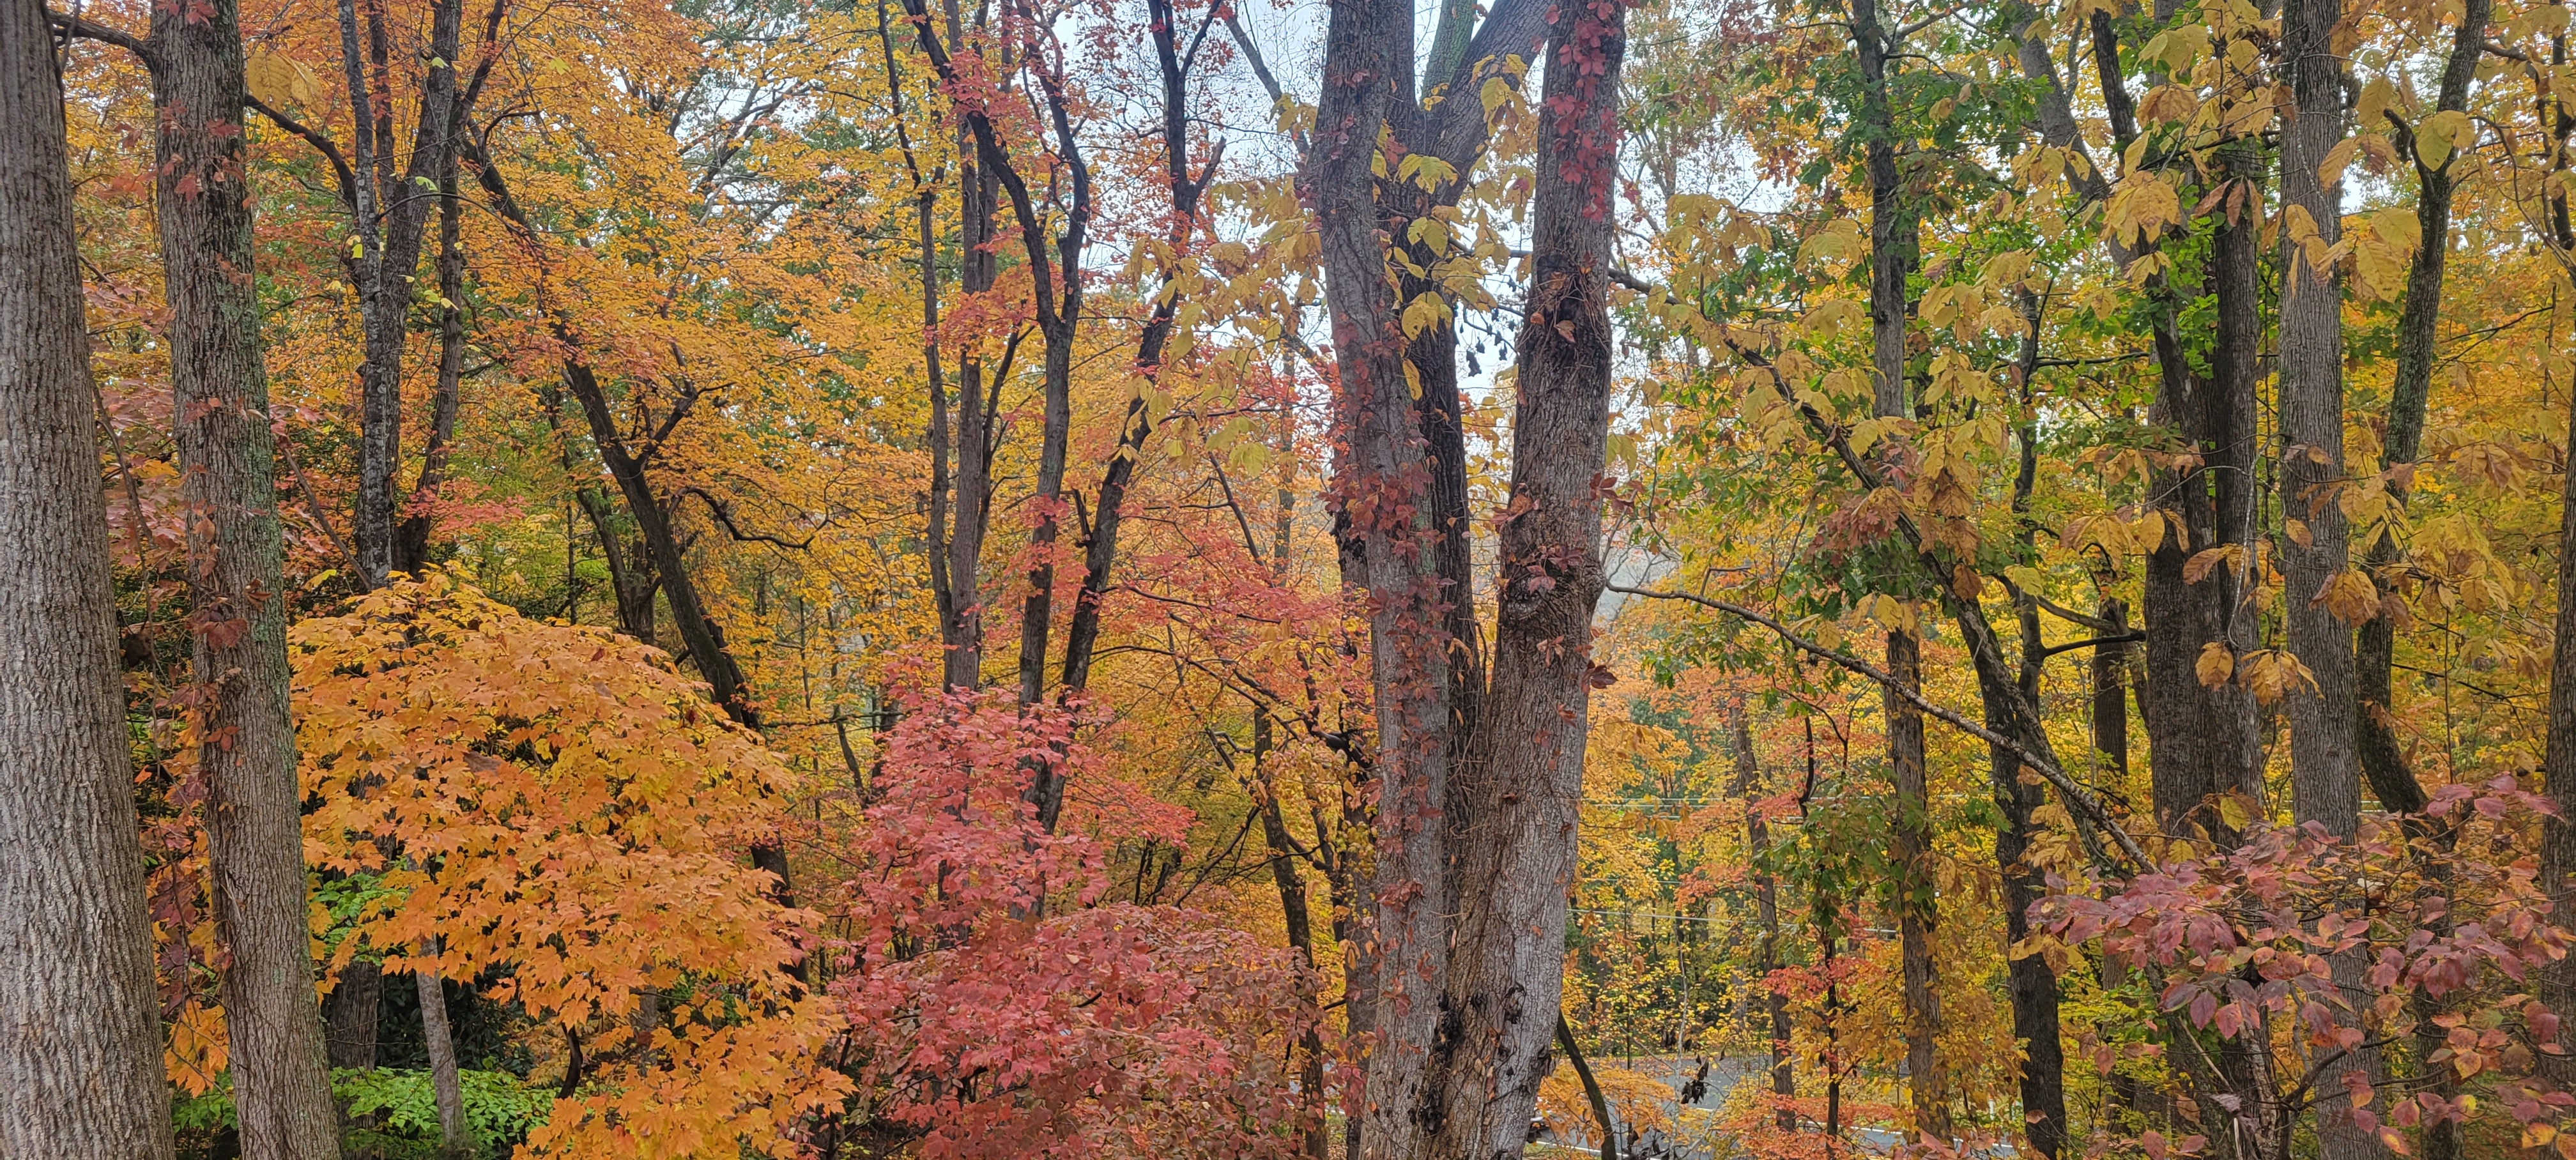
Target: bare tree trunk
349	1015
1766	902
81	1076
2558	762
1380	463
411	541
1525	764
2324	787
1601	1116
1293	911
254	825
390	229
2383	760
454	1139
1892	246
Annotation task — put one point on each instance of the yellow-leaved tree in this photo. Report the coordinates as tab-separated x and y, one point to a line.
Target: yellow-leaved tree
556	813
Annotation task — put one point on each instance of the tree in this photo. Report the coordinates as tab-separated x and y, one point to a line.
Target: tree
1475	808
82	1078
245	745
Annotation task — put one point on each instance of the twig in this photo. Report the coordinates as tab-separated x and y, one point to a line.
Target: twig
2075	794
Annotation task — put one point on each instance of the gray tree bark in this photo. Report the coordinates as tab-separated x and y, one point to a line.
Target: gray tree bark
1766	901
80	1075
1523	773
237	589
2324	774
447	1088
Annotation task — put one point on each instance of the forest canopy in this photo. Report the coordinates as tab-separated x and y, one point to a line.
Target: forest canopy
1696	578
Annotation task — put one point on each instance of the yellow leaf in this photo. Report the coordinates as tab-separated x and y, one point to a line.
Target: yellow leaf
2349	595
2216	664
2198	567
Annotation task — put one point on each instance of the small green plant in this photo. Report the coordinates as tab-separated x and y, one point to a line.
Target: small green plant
394	1112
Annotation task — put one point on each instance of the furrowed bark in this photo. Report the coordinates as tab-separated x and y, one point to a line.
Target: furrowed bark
1379	479
81	1077
237	590
1516	865
2324	787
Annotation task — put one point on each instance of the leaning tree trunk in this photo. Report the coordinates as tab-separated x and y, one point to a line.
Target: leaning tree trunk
246	752
1524	764
80	1077
446	1086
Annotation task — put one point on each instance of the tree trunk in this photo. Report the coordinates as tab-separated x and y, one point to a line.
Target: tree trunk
454	1139
1377	490
1601	1116
1517	863
254	828
1766	902
1892	245
1294	913
349	1015
411	537
972	513
2323	762
2383	760
81	1078
2558	762
392	237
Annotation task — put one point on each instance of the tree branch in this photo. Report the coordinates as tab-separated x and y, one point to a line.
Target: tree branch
2075	794
320	144
75	27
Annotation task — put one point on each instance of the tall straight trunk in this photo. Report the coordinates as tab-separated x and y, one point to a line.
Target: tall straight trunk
81	1076
2018	795
1892	245
971	516
2322	758
2325	788
1766	909
2201	742
1525	759
254	827
2558	761
411	537
1389	536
